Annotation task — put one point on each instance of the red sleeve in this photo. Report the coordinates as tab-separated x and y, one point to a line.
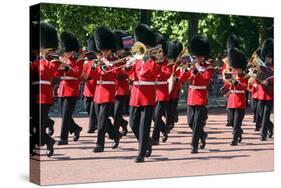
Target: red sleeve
76	70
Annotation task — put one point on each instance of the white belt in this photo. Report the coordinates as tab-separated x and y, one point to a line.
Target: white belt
161	82
101	82
147	83
68	78
43	82
237	91
197	87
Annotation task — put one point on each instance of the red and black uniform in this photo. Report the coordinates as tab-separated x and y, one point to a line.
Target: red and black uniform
197	100
226	69
121	99
265	105
174	98
143	101
237	103
253	88
42	73
88	93
162	99
104	99
68	93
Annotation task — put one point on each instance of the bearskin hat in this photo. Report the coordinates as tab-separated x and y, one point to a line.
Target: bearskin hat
237	58
119	34
200	46
91	45
145	35
160	39
232	42
172	50
267	48
105	39
48	36
179	48
69	42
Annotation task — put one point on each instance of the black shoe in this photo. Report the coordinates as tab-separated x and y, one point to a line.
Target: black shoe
91	130
155	142
257	129
62	142
149	149
98	149
227	125
139	159
234	143
50	148
116	141
165	136
263	138
194	150
176	119
51	128
203	141
77	134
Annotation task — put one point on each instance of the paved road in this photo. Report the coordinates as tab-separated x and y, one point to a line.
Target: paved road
76	163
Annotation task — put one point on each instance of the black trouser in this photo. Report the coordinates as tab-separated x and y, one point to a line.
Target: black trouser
103	112
90	108
236	116
197	116
265	108
67	106
40	121
140	123
119	107
172	112
159	124
254	106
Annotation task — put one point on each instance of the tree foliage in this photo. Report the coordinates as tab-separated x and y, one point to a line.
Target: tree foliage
83	20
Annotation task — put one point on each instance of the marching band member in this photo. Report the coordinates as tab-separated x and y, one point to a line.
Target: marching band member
265	92
199	77
42	72
106	88
90	86
143	92
122	93
253	88
68	92
162	94
232	42
237	86
174	94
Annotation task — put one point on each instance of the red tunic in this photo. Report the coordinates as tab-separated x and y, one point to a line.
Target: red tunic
177	85
237	95
122	83
69	84
42	74
197	91
263	93
90	83
253	88
106	83
143	92
162	90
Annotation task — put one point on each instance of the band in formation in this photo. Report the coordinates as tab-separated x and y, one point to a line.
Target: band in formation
147	70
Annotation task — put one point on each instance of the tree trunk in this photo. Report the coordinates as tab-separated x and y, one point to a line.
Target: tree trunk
145	17
193	21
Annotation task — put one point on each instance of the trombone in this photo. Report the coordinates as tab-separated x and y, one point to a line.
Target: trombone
138	52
